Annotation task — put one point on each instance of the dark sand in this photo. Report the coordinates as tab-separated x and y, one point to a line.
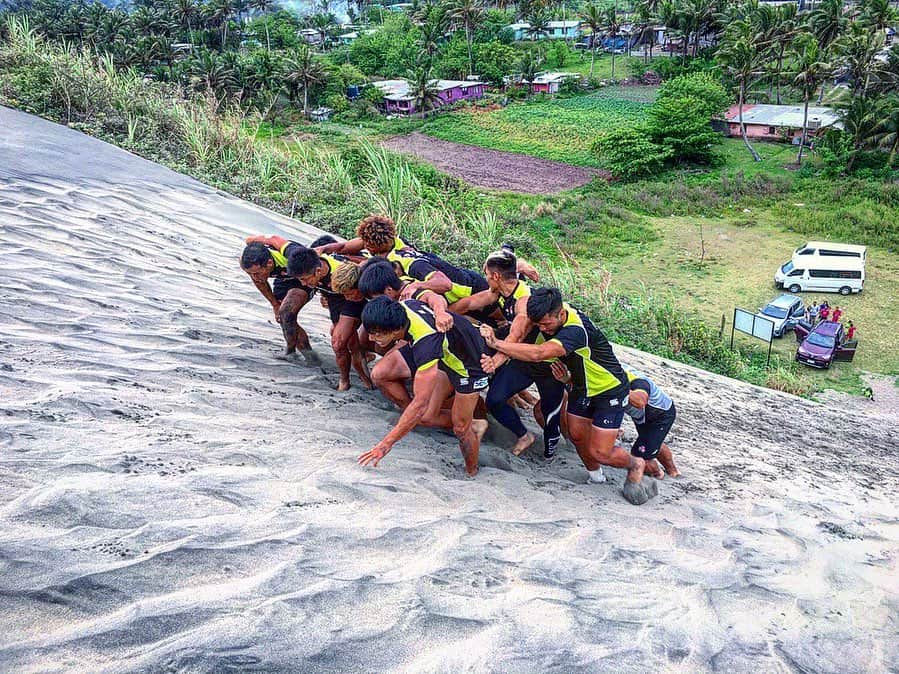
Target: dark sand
172	498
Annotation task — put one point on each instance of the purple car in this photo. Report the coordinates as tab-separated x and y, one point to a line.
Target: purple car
822	345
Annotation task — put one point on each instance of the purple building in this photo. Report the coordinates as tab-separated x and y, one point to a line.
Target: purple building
398	100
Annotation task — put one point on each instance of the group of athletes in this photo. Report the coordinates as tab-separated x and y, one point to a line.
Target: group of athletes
445	335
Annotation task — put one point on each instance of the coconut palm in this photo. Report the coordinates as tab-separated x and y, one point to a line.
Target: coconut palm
422	88
183	11
740	59
220	12
264	7
323	22
469	14
828	21
210	70
538	22
303	71
592	16
878	14
811	70
611	26
860	122
785	29
886	132
856	52
432	31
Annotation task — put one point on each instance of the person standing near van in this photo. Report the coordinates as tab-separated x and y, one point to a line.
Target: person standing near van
837	314
824	313
850	332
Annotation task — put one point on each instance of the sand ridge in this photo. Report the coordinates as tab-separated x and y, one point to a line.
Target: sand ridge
174	498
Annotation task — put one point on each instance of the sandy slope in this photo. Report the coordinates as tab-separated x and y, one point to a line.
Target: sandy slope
173	498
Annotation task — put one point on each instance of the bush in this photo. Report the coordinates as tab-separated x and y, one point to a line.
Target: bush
682	127
629	152
709	95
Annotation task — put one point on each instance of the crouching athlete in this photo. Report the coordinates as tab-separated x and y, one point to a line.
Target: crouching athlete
599	386
444	363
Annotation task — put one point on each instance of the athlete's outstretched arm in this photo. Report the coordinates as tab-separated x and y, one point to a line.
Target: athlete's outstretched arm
263	287
443	319
474	302
276	242
422	387
528	270
532	353
351	247
436	281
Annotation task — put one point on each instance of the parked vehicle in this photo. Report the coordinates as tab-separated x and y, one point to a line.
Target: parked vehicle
830	250
785	312
824	344
844	275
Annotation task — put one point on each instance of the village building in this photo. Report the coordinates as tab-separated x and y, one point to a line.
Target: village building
555	30
399	100
548	83
780	122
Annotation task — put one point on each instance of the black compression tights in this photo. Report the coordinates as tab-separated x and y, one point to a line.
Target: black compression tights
510	380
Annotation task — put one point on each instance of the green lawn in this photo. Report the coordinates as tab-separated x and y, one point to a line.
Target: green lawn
552	128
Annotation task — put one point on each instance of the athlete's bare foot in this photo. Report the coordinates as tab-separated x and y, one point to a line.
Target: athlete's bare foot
479	426
289	356
311	357
523	443
655	470
635	472
361	366
343	385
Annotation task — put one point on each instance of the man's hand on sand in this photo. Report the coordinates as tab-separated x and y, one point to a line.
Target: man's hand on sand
443	322
374	456
489	335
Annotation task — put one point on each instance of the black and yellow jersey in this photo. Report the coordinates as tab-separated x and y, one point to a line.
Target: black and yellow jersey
458	350
421	266
508	303
588	354
279	257
333	260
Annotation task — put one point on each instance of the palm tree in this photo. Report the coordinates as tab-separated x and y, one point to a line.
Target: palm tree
740	59
210	70
264	7
593	18
183	11
878	14
529	66
645	17
422	88
811	71
303	71
610	27
785	28
860	124
220	11
827	22
857	52
886	133
672	18
322	22
538	22
469	14
698	17
432	31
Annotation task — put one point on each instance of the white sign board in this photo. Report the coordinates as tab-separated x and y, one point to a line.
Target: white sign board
743	321
763	329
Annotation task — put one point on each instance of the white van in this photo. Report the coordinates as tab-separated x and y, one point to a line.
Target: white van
829	250
835	274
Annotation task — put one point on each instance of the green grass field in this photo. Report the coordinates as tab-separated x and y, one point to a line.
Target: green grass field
551	128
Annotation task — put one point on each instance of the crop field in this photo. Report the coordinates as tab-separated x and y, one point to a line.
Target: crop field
562	129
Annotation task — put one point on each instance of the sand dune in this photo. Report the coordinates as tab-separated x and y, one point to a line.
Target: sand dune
172	498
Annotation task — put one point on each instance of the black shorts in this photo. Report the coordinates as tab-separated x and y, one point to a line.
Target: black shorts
476	380
339	306
652	434
282	286
606	411
406	352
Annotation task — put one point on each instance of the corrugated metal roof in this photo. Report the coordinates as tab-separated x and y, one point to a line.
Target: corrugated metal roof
398	90
785	116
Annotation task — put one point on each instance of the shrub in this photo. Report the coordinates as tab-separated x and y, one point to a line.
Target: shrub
629	152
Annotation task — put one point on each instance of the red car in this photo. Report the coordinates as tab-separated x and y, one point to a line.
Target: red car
822	345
